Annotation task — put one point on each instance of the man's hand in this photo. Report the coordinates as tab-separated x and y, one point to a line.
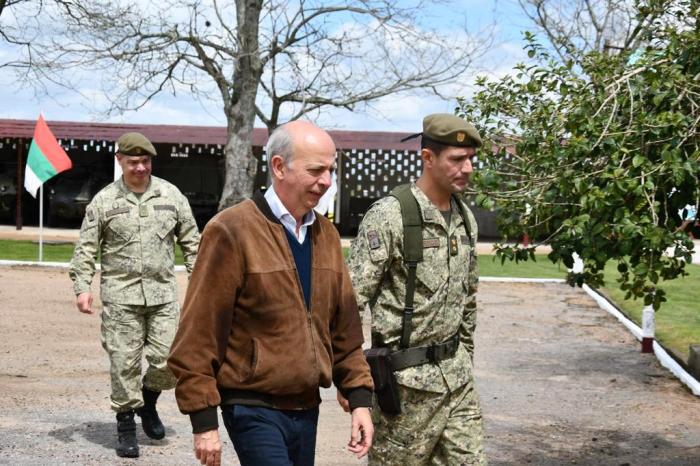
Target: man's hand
207	447
342	401
84	303
362	432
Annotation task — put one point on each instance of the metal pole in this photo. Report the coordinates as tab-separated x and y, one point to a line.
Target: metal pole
41	222
19	187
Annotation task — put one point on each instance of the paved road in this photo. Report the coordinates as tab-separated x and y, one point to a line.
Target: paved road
561	382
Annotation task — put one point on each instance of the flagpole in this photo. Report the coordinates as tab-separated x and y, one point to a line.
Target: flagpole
41	222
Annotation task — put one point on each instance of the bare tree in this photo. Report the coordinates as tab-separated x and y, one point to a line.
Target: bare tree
580	26
271	59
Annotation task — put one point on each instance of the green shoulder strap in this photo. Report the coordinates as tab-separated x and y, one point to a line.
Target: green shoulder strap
412	251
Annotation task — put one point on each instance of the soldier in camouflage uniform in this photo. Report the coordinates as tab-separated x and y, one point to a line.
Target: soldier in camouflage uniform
440	421
132	224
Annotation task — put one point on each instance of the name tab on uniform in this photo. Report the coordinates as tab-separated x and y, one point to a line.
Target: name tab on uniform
117	211
465	239
165	207
431	243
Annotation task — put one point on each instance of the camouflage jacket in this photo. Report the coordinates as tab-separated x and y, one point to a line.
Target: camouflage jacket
135	238
446	285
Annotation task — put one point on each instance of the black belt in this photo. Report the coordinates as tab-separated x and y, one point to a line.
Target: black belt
418	355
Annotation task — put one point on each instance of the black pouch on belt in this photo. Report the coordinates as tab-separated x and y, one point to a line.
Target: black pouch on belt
385	387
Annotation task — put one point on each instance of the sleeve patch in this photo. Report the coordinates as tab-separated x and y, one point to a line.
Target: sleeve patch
373	239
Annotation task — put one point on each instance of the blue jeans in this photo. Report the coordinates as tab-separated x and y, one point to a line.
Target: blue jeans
271	437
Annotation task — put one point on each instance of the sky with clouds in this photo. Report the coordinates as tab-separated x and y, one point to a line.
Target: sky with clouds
393	113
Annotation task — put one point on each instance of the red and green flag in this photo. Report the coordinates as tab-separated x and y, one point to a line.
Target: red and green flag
46	158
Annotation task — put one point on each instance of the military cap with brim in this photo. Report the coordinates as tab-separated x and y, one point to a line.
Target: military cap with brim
135	144
449	130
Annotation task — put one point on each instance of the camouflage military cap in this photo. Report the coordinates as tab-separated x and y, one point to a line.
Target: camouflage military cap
135	144
450	130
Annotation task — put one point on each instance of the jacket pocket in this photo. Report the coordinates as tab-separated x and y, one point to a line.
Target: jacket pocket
165	228
250	361
121	227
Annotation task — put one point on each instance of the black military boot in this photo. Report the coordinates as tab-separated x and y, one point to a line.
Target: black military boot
126	431
149	416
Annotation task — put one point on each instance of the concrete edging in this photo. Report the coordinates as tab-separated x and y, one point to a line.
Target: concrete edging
667	361
661	355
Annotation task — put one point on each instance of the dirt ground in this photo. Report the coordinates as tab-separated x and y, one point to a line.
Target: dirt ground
560	381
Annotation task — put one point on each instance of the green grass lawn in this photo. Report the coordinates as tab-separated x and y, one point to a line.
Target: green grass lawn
53	252
678	320
677	323
541	267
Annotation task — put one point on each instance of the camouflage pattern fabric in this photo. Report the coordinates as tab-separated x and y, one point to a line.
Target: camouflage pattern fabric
446	285
437	429
135	237
433	422
129	332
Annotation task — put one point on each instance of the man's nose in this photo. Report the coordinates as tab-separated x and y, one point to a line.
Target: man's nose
325	179
468	167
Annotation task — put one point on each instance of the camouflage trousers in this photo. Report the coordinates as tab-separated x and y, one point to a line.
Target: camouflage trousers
128	333
433	429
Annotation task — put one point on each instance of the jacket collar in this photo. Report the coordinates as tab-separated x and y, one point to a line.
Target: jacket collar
432	214
264	207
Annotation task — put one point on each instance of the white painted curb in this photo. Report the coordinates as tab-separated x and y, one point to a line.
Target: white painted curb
664	359
667	361
521	280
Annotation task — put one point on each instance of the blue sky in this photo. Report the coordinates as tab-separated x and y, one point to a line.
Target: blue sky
394	113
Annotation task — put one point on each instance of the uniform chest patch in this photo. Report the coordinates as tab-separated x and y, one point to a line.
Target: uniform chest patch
431	243
164	207
117	211
373	239
464	239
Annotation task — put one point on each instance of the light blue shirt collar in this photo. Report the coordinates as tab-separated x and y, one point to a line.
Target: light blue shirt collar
282	214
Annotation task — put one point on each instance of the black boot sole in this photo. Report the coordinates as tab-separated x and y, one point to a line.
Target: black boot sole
128	454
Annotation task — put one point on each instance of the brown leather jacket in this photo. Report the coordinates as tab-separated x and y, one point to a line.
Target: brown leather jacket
246	335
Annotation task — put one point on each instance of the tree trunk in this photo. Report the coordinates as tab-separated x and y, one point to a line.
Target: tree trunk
241	165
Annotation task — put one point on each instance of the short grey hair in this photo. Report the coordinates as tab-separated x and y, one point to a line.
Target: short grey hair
279	143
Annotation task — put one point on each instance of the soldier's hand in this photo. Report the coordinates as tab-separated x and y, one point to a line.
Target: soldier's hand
84	302
342	401
362	432
207	447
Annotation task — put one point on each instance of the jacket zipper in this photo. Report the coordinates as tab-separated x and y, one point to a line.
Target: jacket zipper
309	324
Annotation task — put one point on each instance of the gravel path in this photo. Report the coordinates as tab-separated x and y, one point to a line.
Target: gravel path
561	382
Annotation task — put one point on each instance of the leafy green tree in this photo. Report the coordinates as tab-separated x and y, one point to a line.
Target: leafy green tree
596	156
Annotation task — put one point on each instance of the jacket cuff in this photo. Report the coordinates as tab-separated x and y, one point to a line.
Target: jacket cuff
359	398
204	420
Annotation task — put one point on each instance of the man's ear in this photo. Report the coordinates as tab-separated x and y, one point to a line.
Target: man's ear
427	156
278	166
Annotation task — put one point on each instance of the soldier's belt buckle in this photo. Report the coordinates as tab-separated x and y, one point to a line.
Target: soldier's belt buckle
435	353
